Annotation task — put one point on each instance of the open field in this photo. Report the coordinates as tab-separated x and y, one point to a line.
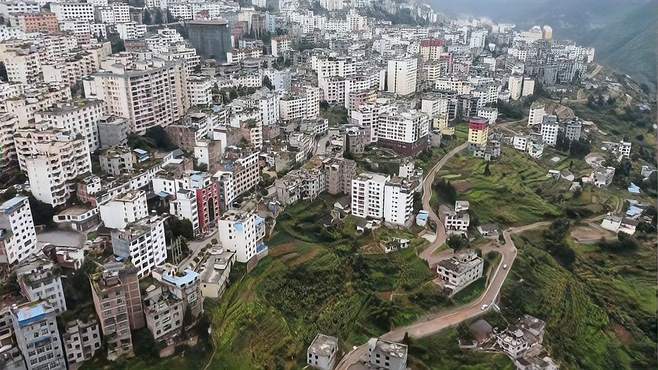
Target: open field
600	312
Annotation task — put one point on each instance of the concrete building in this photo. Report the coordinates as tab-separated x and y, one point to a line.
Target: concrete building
573	130
117	160
215	271
18	239
239	173
37	336
340	173
72	11
199	90
242	231
8	156
460	270
515	86
322	352
183	285
280	45
491	114
147	93
401	76
164	313
81	339
478	132
550	130
368	195
112	131
211	39
40	281
536	113
118	303
399	201
458	220
79	116
143	243
528	87
44	22
406	131
300	103
386	355
124	209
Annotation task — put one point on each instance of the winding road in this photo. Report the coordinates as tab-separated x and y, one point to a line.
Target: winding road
434	323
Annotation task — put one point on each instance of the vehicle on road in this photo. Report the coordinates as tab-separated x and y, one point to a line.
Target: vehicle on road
504	267
484	307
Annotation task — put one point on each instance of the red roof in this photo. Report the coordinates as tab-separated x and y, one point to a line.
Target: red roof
432	42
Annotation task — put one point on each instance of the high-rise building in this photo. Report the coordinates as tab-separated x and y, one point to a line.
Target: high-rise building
124	209
401	76
404	130
18	239
39	280
399	201
146	92
118	303
242	231
368	195
536	113
478	132
8	157
239	173
212	39
549	130
515	86
79	116
37	336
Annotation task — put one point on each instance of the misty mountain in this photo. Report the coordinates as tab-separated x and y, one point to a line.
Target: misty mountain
623	31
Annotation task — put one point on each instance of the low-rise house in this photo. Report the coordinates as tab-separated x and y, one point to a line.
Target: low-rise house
386	355
215	271
601	177
460	271
489	231
618	224
78	218
457	222
322	352
395	244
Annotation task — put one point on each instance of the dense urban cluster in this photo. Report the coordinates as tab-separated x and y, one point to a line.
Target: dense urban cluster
171	134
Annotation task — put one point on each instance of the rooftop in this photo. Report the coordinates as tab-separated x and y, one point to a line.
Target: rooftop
323	345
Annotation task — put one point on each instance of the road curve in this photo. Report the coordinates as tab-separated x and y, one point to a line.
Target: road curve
451	317
440	237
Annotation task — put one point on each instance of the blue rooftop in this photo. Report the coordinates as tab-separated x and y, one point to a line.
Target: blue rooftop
31	313
186	279
10	205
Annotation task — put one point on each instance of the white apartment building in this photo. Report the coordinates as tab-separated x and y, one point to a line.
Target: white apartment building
130	30
53	159
528	86
515	86
300	104
8	8
8	125
242	231
398	201
143	243
37	336
404	130
240	173
460	270
39	280
268	105
458	220
280	45
624	149
79	116
81	340
113	13
148	93
34	99
22	65
549	130
124	209
368	195
491	114
199	90
73	11
18	239
367	115
401	76
185	207
536	113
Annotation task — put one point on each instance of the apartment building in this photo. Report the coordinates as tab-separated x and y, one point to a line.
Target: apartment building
33	99
22	63
8	157
239	173
536	113
401	76
124	209
280	45
406	131
164	313
300	103
549	130
72	11
40	281
199	90
458	220
431	49
515	86
130	30
37	336
340	172
118	304
117	160
573	130
146	92
113	13
242	231
399	201
302	184
81	340
143	243
18	239
184	285
185	207
460	271
478	132
53	159
43	22
368	190
112	131
78	116
8	8
491	114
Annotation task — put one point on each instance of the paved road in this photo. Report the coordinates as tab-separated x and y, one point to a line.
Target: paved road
440	238
437	322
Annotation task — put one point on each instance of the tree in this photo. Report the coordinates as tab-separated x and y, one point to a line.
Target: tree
267	83
42	213
146	17
181	228
487	171
457	242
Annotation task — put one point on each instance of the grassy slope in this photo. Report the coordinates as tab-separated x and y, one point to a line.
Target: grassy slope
600	314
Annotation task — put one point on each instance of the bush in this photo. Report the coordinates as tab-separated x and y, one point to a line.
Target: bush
457	242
